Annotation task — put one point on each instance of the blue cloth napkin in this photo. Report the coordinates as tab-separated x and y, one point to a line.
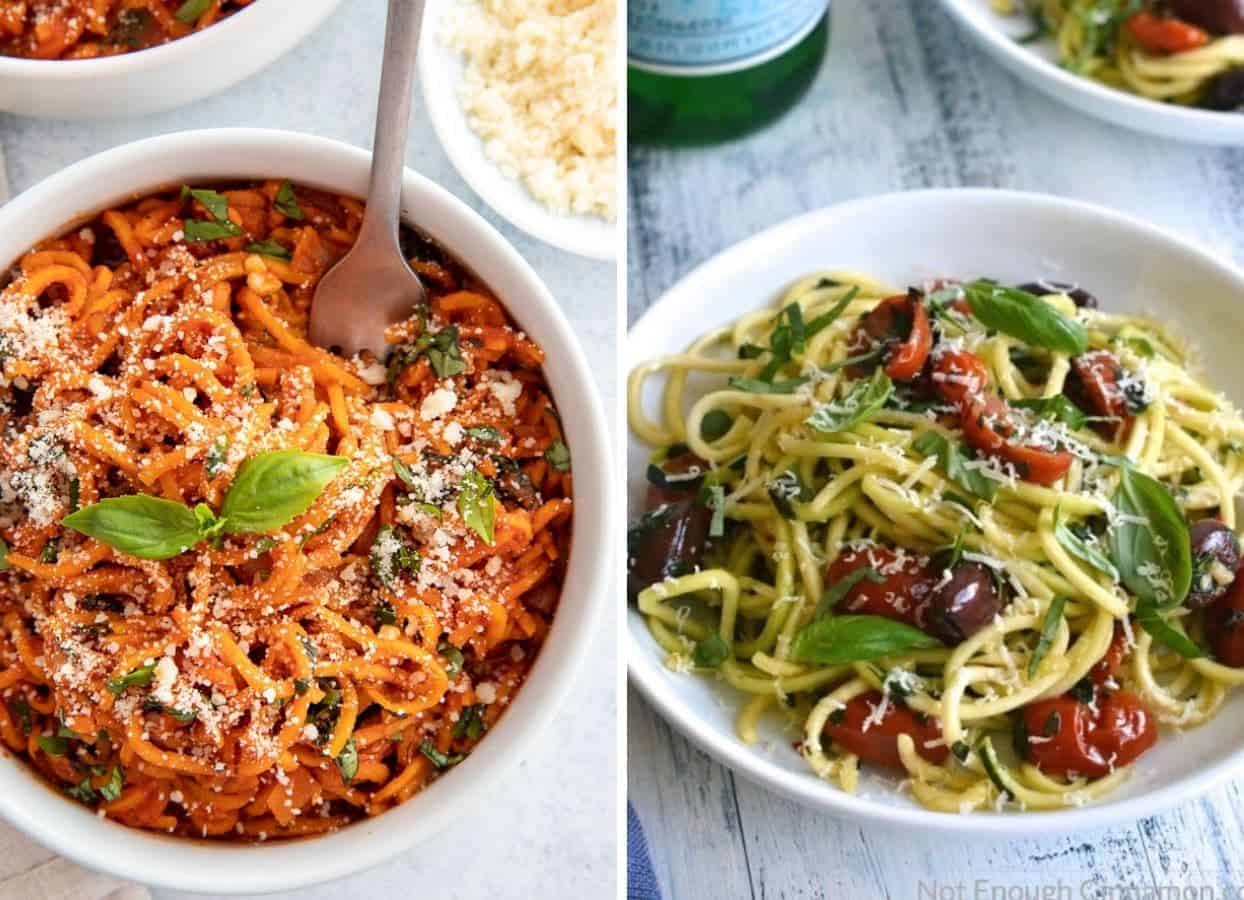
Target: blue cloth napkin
641	881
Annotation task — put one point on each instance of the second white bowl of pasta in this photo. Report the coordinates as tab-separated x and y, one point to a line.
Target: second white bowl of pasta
937	536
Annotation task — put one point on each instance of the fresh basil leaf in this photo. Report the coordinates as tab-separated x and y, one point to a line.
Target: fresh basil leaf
475	503
273	488
470	724
839	589
485	434
286	202
1164	633
861	403
269	248
710	652
715	424
439	759
190	11
835	640
1049	627
952	459
558	456
116	783
52	745
1058	408
757	386
197	230
140	677
1025	316
1149	544
139	525
1078	547
216	204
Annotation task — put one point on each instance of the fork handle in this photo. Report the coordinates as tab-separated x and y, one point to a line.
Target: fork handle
397	78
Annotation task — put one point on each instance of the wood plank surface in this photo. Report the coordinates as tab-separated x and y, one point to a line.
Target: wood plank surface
906	101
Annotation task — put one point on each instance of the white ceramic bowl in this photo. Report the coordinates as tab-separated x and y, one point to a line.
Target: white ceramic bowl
1037	64
907	238
135	170
173	74
440	75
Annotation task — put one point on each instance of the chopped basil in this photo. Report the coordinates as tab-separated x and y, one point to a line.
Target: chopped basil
952	458
116	783
190	11
129	28
717	503
385	613
710	652
391	556
217	456
151	704
961	751
1053	616
1058	408
75	494
454	661
348	761
405	474
839	589
84	792
4	555
20	710
52	745
714	425
861	403
558	456
470	724
1080	547
440	347
140	677
1164	633
269	248
475	503
439	759
787	489
286	202
485	434
50	552
828	318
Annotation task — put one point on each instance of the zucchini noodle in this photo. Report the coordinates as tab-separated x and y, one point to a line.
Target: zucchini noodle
875	484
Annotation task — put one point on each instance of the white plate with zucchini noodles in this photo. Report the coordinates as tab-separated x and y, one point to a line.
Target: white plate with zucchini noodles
1085	53
933	507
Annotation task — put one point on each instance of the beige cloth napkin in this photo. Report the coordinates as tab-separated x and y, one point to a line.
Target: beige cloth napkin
28	871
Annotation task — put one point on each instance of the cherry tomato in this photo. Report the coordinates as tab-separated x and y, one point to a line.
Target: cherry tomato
1109	664
902	323
986	424
958	374
1095	389
1065	737
1224	624
1165	34
878	743
902	595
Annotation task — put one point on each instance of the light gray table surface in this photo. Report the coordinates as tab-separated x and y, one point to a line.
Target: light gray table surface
549	830
906	101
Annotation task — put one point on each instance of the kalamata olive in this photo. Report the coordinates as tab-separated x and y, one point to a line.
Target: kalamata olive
1079	296
1215	558
1217	16
1226	92
965	603
666	542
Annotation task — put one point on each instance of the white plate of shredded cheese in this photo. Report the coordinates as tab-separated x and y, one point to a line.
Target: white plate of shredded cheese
523	97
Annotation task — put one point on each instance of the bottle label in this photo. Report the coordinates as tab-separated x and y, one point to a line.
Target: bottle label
709	37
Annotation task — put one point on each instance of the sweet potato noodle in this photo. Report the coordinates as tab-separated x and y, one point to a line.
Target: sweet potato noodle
85	29
309	660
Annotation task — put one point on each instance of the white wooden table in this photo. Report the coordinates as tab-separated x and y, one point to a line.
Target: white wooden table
904	102
549	830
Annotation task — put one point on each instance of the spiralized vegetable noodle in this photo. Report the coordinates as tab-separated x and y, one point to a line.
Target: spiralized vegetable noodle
920	562
346	570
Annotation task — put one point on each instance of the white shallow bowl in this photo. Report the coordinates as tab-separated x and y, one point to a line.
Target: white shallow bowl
1037	64
173	74
135	170
905	239
440	75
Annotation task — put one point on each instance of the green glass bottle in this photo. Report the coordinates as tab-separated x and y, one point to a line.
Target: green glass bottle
701	71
